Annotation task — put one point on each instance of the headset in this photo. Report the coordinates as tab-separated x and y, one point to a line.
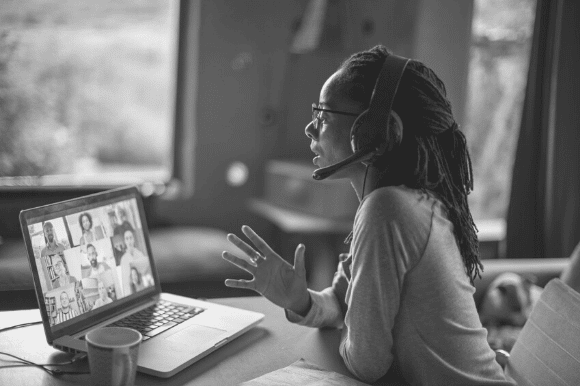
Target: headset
368	138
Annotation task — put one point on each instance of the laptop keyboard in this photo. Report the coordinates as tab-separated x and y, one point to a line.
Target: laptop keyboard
158	318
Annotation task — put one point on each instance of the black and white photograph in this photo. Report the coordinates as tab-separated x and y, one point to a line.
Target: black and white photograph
290	192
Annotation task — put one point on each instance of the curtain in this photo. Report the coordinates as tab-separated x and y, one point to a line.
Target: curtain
544	212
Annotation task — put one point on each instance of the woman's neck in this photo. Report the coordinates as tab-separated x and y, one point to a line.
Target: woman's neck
364	181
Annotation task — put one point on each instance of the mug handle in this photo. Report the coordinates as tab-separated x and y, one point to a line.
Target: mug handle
122	366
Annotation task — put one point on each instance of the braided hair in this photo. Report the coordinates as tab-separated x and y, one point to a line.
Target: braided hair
433	154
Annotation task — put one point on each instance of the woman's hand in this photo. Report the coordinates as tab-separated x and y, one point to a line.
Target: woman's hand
275	279
341	280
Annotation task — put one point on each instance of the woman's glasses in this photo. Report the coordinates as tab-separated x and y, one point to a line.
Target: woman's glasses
316	114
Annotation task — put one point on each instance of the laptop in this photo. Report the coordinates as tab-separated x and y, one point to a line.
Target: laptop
93	266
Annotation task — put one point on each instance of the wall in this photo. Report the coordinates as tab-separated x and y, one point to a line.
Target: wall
437	32
253	95
230	108
362	25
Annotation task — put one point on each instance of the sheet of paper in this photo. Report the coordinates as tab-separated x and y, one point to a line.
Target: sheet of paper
303	373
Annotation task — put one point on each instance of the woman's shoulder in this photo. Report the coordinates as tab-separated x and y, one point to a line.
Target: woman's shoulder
399	202
398	210
398	220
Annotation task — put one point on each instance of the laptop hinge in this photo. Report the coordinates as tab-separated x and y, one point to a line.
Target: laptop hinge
69	344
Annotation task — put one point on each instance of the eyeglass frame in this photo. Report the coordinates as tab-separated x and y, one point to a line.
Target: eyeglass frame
315	118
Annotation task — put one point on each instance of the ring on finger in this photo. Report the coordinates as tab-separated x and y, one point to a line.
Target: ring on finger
256	257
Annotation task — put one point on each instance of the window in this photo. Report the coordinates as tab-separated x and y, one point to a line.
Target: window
87	91
498	68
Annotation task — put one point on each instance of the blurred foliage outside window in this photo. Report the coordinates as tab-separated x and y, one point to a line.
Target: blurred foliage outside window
86	90
498	69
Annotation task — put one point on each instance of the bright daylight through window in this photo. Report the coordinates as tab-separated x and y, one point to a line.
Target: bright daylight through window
86	91
498	69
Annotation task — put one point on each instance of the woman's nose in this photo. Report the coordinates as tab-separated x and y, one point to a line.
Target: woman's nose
310	131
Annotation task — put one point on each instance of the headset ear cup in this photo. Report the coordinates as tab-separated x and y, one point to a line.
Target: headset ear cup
358	127
395	131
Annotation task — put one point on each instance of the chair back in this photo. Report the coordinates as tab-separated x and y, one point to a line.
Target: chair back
547	351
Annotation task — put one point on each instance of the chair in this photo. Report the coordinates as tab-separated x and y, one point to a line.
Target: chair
547	351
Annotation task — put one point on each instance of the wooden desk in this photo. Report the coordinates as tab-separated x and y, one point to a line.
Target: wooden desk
274	344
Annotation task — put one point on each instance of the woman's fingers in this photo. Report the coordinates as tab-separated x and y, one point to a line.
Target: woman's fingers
243	264
258	241
245	284
242	245
299	265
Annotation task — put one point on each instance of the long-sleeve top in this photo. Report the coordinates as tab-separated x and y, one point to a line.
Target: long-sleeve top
403	298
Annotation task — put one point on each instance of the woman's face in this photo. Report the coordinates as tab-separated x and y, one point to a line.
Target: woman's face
129	240
86	223
331	141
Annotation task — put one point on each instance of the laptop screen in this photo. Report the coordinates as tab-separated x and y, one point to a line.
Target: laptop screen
89	257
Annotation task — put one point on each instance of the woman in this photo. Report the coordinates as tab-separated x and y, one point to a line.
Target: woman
133	258
89	234
136	281
404	294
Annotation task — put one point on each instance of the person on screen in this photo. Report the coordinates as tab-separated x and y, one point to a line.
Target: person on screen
59	268
403	295
103	296
52	245
133	257
137	283
124	225
65	312
118	248
96	267
90	234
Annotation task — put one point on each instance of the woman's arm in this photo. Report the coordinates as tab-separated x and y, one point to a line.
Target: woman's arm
373	302
328	306
388	241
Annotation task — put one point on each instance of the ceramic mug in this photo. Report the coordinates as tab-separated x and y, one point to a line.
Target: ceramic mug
113	353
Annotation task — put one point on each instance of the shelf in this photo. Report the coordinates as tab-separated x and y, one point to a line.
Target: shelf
292	221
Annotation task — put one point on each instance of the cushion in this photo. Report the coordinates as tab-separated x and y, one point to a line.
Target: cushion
14	268
542	269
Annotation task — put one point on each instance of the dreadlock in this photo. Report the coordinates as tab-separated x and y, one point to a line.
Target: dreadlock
434	153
